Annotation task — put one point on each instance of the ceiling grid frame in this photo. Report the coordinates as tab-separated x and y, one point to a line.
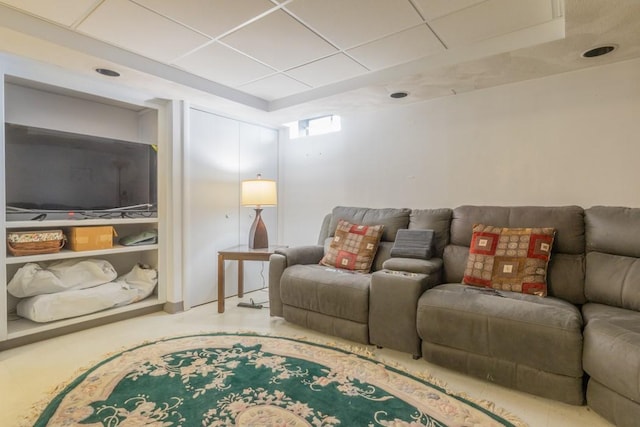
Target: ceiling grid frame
439	69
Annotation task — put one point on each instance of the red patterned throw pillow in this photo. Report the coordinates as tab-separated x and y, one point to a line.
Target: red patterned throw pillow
353	247
509	259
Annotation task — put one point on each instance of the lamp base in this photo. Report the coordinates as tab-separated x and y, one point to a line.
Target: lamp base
258	238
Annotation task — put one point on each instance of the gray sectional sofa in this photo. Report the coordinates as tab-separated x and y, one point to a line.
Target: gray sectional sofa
611	354
336	302
521	341
580	341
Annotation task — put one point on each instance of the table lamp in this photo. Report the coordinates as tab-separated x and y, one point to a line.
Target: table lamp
258	192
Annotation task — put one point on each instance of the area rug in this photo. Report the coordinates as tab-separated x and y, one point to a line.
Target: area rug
256	380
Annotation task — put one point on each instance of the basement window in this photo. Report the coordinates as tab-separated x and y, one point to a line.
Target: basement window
314	126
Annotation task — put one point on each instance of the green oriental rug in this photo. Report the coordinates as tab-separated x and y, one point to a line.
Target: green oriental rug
256	380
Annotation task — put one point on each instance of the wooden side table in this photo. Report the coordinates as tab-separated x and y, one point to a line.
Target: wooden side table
239	253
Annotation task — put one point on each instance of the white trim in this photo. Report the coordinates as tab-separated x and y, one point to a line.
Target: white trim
3	251
186	201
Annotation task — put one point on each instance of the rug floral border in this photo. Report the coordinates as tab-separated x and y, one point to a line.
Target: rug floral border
43	411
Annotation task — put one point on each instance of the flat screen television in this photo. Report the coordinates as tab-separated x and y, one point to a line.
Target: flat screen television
53	171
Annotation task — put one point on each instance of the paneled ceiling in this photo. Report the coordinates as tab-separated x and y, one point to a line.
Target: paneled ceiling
276	54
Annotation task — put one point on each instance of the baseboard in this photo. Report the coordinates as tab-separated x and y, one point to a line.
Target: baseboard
173	307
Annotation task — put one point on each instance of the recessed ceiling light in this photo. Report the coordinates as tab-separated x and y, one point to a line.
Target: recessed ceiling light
107	72
599	51
398	95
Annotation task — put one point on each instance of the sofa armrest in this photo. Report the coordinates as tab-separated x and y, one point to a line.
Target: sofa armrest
411	265
302	254
393	305
279	261
277	264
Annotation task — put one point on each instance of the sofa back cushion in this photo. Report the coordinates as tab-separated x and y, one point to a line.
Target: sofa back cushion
438	220
613	256
565	277
391	219
324	229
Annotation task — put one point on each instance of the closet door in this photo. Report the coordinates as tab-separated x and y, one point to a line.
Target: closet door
212	204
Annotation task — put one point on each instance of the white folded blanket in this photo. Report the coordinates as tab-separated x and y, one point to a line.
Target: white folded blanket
132	287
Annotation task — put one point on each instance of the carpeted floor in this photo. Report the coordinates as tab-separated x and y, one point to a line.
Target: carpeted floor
256	380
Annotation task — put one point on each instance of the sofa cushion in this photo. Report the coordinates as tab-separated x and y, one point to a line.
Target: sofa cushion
613	256
353	246
567	220
612	348
613	230
542	333
510	259
455	263
432	267
565	277
438	220
326	290
391	219
613	280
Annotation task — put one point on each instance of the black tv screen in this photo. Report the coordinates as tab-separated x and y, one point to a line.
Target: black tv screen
54	170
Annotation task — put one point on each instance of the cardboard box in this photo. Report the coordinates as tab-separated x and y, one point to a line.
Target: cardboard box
90	238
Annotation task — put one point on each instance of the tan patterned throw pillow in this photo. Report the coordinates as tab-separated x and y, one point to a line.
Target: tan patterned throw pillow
353	247
509	259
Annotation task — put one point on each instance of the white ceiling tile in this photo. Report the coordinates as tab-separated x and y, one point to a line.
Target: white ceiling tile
280	41
212	17
135	28
274	87
63	12
432	9
223	65
399	48
470	63
489	19
353	22
328	70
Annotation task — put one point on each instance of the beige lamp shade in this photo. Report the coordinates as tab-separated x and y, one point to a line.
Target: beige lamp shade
259	192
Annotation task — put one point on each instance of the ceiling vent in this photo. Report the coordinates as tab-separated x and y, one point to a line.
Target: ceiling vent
107	72
399	95
599	51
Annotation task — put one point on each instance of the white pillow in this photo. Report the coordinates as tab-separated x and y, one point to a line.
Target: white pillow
77	302
33	279
144	280
129	288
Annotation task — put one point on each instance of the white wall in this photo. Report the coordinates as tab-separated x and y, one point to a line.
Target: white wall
568	139
37	108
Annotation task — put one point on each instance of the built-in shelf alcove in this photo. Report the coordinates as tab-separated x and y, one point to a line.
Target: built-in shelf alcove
74	159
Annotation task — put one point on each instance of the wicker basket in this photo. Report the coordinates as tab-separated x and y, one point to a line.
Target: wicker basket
21	243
